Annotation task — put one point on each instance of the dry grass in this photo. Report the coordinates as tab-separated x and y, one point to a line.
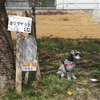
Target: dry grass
72	26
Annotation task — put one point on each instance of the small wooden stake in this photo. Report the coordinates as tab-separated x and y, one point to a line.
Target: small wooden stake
26	78
18	62
38	74
19	41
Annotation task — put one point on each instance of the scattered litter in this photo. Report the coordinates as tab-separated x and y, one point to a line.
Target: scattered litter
93	80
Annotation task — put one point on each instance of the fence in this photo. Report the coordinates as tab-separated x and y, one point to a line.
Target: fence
78	6
27	5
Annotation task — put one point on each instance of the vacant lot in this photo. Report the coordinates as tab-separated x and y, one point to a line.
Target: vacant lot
66	26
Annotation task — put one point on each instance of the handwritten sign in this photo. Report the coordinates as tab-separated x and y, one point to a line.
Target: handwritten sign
29	66
19	24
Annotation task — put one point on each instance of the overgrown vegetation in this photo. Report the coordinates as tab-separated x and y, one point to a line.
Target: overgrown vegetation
50	87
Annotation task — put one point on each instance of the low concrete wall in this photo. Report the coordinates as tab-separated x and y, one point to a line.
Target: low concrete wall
75	11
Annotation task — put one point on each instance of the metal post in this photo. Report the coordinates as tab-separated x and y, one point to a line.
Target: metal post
94	3
63	4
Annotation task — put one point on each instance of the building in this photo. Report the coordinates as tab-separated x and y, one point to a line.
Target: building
22	4
18	4
77	4
54	4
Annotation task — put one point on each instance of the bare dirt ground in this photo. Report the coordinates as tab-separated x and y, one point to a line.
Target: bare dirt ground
74	26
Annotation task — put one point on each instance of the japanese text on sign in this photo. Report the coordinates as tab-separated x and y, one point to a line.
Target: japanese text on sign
29	66
19	24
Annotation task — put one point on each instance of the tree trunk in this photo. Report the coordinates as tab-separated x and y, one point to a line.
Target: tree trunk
7	65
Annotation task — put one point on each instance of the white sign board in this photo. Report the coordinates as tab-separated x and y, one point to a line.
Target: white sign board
29	66
19	24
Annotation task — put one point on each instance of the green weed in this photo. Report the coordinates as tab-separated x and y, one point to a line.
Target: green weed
13	96
95	74
50	87
91	46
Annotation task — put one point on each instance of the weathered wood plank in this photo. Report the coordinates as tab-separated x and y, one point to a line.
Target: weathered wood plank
18	62
19	42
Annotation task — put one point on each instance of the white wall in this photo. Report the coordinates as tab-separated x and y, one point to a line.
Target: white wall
77	4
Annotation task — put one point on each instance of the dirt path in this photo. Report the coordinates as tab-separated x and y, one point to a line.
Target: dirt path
66	26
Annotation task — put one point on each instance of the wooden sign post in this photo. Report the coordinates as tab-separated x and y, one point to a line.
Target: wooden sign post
18	62
20	24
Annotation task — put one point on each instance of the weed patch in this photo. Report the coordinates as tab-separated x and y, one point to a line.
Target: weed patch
50	87
95	74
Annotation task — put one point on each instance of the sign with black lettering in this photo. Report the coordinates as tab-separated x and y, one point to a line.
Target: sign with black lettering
19	24
29	66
